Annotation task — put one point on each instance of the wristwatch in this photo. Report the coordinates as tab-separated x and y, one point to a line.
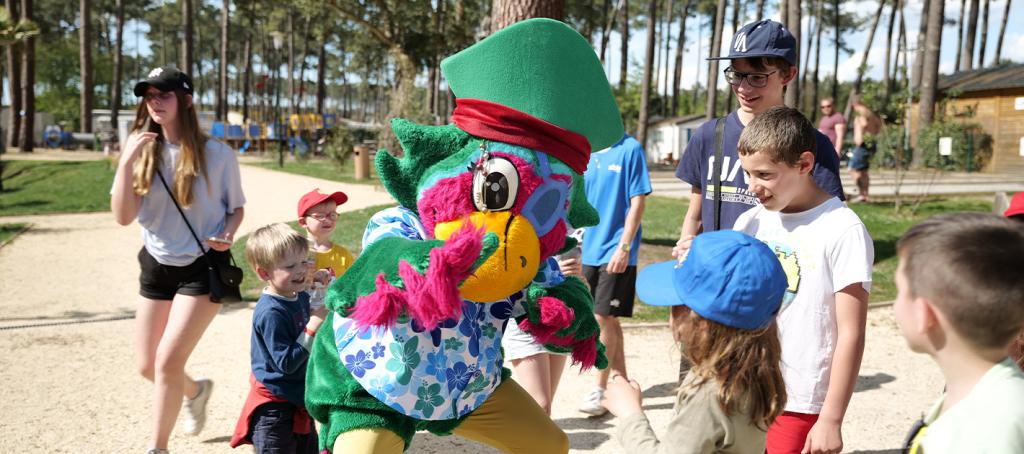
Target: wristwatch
624	247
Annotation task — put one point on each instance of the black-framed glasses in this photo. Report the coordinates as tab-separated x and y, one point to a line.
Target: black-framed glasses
756	80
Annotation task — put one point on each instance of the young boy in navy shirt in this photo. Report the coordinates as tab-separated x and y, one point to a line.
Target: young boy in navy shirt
274	418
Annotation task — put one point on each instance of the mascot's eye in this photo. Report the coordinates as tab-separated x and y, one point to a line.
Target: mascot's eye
495	188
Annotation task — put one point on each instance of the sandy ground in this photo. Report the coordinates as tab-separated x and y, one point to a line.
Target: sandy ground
73	387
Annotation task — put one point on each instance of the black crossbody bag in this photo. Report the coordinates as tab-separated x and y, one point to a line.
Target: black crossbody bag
225	277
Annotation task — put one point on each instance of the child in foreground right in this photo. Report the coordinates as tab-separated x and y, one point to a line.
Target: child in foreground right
960	300
730	286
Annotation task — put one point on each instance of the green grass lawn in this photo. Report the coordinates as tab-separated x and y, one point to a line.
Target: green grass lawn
348	233
7	231
663	217
318	168
39	187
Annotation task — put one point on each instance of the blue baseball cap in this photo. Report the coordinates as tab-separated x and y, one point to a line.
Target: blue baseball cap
728	277
765	38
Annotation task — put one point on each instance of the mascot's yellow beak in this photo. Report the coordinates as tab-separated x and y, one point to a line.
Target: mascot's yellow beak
512	266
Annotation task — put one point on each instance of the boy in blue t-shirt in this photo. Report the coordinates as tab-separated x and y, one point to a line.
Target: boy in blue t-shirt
274	418
762	61
617	183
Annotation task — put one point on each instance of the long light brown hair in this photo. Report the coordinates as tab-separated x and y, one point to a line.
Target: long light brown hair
191	161
745	363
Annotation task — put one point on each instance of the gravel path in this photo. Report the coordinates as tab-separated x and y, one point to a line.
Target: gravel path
72	387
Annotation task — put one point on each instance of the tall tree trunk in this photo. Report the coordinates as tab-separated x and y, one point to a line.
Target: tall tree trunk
609	22
677	71
967	61
645	86
760	11
886	80
813	84
959	36
508	12
930	71
835	62
922	31
14	79
321	72
984	35
291	59
1002	33
711	111
247	63
85	66
187	57
863	61
793	90
666	67
115	86
28	83
735	27
624	57
784	12
300	96
222	80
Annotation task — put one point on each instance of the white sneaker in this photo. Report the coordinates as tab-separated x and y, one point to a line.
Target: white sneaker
193	416
592	403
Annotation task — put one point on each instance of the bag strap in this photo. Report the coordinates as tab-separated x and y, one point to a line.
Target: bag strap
717	171
182	212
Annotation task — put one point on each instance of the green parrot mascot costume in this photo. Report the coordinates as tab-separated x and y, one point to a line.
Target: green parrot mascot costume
413	337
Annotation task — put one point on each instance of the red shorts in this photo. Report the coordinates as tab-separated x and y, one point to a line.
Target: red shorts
788	433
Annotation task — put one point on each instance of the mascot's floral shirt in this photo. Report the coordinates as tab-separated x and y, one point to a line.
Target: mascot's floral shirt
444	373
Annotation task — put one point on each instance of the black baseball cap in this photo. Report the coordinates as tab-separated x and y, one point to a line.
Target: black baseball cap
166	78
765	38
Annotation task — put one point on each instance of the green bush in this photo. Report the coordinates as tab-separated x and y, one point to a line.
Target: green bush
889	146
972	147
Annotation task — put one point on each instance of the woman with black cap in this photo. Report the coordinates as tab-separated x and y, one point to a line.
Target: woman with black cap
166	149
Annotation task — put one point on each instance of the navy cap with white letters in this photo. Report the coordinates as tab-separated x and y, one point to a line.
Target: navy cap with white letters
765	38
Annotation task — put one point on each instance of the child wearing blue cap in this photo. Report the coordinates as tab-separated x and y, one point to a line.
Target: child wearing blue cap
828	255
729	288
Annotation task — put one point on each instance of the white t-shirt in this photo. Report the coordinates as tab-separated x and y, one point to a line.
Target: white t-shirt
823	250
164	233
990	419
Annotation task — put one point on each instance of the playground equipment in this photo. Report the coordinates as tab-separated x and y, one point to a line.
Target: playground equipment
297	131
54	136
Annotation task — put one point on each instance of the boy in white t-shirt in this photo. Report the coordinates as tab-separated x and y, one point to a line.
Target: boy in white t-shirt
827	254
960	300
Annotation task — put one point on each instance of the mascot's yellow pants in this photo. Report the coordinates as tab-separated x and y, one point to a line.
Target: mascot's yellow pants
509	420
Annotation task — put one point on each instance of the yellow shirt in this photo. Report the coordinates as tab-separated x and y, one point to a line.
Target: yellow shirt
336	261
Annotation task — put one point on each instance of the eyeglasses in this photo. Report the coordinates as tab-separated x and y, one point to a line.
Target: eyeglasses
756	80
162	96
323	216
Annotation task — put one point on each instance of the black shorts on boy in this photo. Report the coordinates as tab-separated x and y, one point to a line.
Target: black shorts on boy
613	293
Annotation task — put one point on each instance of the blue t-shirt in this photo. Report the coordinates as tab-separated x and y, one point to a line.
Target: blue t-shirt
698	159
278	358
612	178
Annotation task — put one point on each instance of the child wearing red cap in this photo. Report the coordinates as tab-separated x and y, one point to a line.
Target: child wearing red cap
1016	212
318	214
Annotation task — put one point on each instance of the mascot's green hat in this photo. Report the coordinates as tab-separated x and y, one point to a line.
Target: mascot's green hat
537	84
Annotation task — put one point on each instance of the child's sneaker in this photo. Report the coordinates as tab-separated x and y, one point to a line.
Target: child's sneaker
194	415
592	403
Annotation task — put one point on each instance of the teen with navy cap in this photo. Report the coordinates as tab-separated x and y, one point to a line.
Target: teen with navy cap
728	290
168	161
762	61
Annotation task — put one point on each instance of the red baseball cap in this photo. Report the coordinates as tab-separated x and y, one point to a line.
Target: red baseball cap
315	197
1016	205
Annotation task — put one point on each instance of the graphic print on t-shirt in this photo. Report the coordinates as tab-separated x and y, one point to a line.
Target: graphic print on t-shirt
791	265
730	194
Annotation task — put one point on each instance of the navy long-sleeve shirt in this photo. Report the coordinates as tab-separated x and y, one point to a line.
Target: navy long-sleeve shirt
279	347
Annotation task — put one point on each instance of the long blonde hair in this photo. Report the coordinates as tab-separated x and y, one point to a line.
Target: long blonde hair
191	161
746	364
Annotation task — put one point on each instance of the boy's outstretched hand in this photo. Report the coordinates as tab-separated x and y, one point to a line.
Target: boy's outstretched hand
622	397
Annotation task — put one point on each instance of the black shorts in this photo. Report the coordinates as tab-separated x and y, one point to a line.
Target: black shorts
161	282
613	293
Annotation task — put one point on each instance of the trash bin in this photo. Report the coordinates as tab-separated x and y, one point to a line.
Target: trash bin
362	158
